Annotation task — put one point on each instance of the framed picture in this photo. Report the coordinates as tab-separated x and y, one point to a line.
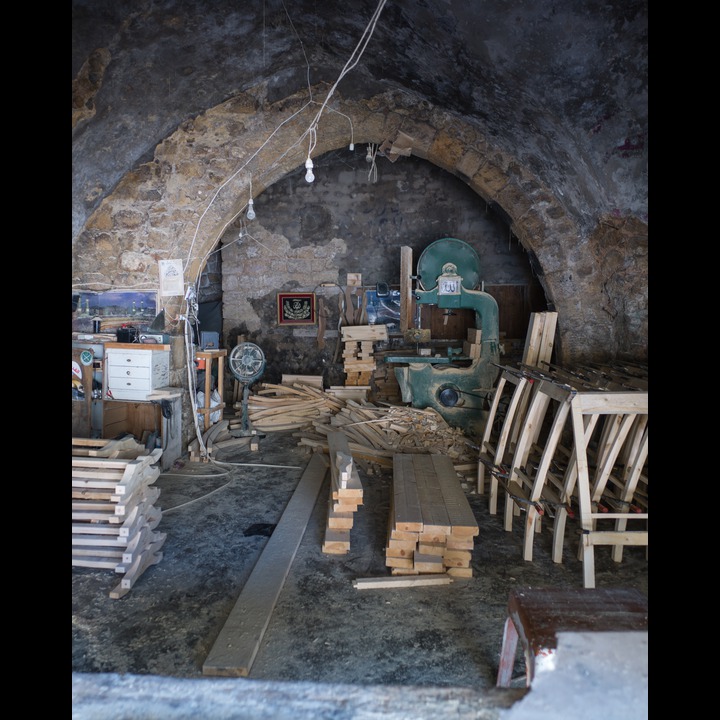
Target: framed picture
296	308
114	309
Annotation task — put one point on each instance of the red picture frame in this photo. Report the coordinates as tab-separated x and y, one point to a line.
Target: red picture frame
294	308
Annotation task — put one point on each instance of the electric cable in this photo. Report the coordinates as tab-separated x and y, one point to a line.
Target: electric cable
190	317
349	65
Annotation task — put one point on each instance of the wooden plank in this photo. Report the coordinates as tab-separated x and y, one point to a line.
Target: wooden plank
428	563
341	462
608	403
406	295
151	555
395	581
235	648
462	518
406	507
547	340
336	542
434	515
314	380
533	338
89	442
465	572
457	558
397	562
358	333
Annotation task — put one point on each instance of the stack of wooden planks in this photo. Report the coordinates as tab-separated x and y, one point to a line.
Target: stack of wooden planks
113	508
358	348
344	498
540	339
431	524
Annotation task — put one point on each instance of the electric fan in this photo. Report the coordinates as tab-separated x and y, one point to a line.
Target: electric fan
247	364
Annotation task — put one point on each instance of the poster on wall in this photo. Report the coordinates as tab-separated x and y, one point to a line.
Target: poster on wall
171	278
296	308
136	308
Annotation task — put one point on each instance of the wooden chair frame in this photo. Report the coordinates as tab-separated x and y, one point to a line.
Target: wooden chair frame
584	407
496	456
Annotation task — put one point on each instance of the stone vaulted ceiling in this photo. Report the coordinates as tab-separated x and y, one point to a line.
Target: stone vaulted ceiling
541	107
562	84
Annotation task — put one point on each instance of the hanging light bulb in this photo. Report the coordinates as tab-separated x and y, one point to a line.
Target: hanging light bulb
309	174
250	211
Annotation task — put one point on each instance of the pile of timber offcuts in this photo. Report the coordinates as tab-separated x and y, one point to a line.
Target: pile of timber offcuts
289	407
374	433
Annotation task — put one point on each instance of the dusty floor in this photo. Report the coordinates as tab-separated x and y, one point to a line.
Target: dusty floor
217	520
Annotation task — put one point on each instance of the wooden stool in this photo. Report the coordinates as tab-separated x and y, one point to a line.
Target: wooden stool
536	616
209	356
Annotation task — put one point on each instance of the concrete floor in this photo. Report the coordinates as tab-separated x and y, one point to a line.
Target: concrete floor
323	632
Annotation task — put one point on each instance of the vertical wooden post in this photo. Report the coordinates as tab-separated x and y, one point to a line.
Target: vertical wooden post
406	300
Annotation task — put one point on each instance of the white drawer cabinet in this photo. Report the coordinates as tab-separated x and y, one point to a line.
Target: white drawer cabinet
132	373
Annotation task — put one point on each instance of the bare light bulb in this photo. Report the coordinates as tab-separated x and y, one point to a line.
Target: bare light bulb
352	146
250	211
309	174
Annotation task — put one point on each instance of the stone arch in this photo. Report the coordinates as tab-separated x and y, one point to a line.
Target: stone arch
202	175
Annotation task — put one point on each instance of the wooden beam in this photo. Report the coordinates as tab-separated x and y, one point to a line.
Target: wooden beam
395	581
406	260
236	646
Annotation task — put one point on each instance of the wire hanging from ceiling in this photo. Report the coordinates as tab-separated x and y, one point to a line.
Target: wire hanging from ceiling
349	65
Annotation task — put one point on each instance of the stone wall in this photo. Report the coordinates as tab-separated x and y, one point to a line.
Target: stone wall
309	234
194	191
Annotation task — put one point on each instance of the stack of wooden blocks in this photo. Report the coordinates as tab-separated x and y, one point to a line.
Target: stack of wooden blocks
345	496
113	508
386	386
358	349
472	346
431	525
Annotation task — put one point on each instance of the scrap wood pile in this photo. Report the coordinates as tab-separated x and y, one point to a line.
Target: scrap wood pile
374	433
221	436
290	407
113	508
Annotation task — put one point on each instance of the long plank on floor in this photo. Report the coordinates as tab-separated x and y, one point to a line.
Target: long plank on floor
236	646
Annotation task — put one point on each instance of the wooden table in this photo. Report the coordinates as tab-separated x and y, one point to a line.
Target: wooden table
536	615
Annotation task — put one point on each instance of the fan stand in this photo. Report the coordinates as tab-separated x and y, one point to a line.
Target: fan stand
247	364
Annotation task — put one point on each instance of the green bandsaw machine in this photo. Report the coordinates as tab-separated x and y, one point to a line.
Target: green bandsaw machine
457	386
